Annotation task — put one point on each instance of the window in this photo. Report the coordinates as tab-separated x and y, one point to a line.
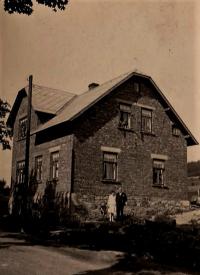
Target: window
175	131
38	168
54	165
20	173
136	87
158	172
125	116
146	120
110	166
22	128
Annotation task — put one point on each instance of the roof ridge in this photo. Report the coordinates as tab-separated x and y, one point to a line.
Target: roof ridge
106	82
54	89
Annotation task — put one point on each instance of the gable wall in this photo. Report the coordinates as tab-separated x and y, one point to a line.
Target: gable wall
99	127
63	144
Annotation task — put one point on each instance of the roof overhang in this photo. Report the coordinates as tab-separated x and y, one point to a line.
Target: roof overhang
166	104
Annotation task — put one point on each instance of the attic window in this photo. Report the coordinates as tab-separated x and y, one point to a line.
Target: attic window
22	128
175	131
136	87
146	120
125	116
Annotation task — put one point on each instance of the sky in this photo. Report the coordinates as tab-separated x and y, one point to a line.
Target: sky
95	41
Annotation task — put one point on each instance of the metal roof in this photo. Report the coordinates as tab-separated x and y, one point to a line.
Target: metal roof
49	100
79	104
46	100
82	102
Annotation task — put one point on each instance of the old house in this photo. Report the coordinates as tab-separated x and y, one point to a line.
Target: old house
121	133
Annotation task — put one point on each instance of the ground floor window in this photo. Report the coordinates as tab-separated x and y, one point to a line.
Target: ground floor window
54	165
158	172
38	168
20	172
109	166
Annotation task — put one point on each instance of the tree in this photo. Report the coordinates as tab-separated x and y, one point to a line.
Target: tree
5	131
26	6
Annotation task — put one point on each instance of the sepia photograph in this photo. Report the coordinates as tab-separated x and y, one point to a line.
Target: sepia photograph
99	137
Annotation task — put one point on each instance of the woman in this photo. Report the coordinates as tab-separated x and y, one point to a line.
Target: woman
111	206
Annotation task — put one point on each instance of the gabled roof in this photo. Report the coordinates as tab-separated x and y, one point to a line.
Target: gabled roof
46	100
79	104
83	102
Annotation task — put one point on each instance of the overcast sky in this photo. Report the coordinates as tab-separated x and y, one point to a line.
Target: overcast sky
96	40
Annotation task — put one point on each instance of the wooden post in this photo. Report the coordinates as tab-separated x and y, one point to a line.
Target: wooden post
27	148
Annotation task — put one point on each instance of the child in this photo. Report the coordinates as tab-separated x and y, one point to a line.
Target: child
111	206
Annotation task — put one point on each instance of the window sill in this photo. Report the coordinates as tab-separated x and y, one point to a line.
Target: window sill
160	186
148	134
111	181
126	129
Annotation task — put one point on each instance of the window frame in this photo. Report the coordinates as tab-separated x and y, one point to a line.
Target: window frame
160	171
136	86
20	172
143	129
20	136
52	162
39	179
176	131
122	107
115	169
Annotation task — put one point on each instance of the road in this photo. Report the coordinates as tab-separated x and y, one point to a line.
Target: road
17	257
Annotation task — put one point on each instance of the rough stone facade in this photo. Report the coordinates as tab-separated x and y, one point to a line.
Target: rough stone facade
99	127
62	144
81	155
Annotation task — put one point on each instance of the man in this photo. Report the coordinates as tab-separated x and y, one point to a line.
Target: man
121	201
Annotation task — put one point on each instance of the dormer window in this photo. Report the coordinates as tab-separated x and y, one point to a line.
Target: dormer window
22	128
125	116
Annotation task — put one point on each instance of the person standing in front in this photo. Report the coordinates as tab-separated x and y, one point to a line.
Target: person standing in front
121	201
111	206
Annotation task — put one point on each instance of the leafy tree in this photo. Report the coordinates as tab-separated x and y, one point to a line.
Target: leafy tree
26	6
5	132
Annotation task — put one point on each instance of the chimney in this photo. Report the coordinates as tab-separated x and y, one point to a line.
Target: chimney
93	85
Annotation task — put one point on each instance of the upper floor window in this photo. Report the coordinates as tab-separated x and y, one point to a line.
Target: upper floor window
38	168
22	128
175	131
146	120
158	172
136	87
54	165
125	116
109	166
20	172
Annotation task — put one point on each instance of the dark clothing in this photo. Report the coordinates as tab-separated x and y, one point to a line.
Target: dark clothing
121	200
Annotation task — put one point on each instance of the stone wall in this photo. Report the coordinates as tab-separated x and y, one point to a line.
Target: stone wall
63	144
99	127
